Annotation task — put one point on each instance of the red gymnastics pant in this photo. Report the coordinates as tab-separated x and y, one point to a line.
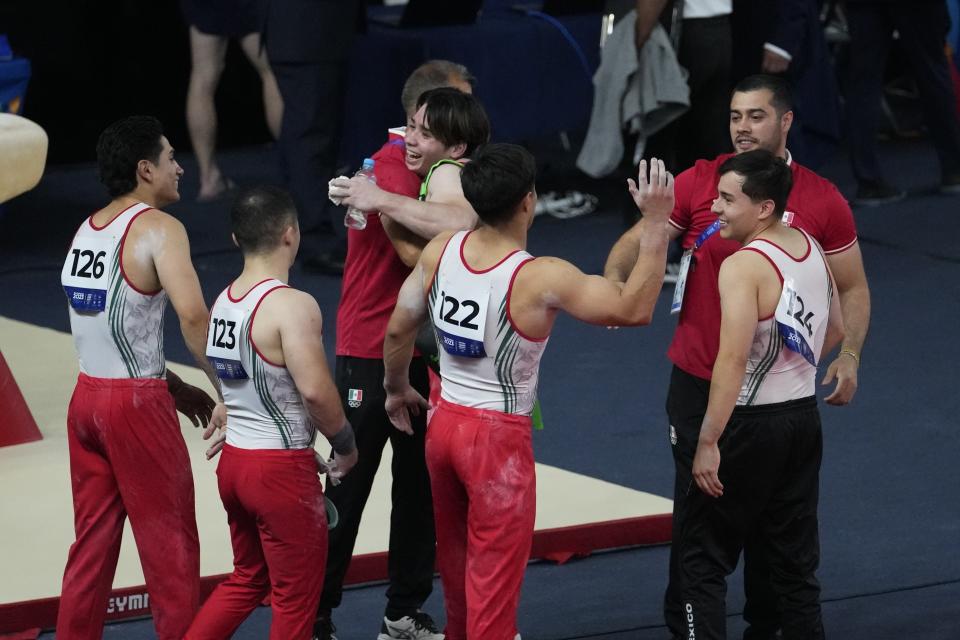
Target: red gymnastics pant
484	503
278	527
127	457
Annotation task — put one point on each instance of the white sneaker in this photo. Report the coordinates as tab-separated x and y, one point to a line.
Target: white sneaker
419	626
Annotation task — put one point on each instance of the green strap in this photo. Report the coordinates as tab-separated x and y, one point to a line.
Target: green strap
426	181
537	416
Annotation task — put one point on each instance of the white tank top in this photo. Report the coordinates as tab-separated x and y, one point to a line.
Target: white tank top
485	362
264	408
117	329
782	364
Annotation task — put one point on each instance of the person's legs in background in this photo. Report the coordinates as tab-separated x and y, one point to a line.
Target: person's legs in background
309	142
870	37
272	102
208	54
923	31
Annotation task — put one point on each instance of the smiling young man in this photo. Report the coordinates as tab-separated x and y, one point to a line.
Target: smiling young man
127	455
760	118
758	454
443	124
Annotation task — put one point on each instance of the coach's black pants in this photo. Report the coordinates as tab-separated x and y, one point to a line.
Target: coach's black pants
686	406
412	538
769	467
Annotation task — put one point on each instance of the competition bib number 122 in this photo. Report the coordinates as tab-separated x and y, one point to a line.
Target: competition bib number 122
84	276
460	325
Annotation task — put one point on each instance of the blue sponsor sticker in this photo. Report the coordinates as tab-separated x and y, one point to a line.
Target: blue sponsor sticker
460	346
82	299
796	342
228	369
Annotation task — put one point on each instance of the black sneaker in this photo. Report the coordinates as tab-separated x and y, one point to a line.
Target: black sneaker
872	194
323	628
416	626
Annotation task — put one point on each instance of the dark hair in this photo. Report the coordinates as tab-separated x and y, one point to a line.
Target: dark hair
122	146
782	99
766	177
455	117
496	179
432	74
259	217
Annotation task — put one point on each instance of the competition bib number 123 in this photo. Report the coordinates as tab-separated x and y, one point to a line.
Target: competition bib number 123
223	344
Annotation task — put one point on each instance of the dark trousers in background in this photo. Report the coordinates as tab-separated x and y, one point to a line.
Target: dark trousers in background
706	50
686	406
310	136
770	470
922	27
412	539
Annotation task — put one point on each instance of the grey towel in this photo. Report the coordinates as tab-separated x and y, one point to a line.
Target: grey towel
638	94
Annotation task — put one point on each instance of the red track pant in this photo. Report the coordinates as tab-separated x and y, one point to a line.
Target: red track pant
278	527
484	501
127	457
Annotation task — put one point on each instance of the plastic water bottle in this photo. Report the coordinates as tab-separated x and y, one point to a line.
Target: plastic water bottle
355	218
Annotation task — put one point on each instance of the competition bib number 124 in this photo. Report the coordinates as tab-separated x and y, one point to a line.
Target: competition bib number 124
796	323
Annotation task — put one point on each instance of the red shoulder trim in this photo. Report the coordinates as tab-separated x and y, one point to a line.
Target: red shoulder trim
96	228
253	316
805	255
463	259
509	315
230	295
123	242
775	268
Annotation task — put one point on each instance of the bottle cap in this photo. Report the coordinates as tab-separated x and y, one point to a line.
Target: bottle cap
368	163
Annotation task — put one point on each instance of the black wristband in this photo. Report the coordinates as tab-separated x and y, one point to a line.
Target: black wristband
344	443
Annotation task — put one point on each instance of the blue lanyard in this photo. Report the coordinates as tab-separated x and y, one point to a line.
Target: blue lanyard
709	231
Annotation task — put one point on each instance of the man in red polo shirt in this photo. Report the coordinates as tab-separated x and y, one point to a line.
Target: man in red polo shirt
379	258
760	117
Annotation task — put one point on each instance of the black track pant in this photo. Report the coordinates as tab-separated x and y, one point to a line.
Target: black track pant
770	468
412	539
686	406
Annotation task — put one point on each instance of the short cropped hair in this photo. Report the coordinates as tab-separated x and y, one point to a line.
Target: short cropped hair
496	180
432	74
766	177
455	117
259	216
782	99
122	146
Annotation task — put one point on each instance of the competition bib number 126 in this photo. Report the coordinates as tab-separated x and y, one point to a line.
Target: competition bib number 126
84	276
223	344
460	325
